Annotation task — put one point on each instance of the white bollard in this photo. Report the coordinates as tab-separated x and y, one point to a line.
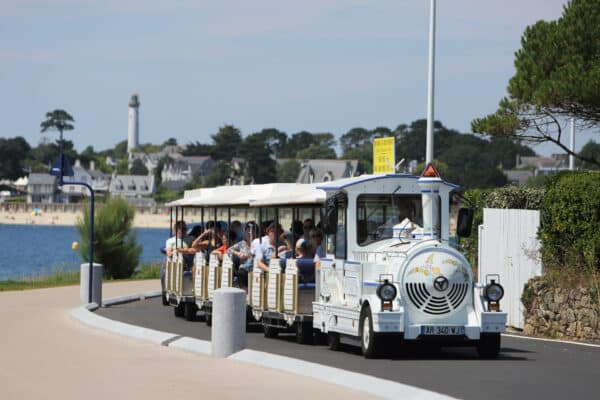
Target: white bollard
228	334
84	283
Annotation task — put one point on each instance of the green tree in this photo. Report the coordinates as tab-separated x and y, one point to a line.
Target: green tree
557	77
87	155
288	171
316	152
591	151
364	155
275	139
260	165
12	154
198	149
58	120
355	137
138	168
115	244
122	167
226	143
304	140
170	142
219	174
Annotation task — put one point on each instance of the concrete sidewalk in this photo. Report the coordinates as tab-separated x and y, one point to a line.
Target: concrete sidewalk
44	353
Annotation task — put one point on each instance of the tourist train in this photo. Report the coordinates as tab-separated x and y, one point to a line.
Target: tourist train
387	269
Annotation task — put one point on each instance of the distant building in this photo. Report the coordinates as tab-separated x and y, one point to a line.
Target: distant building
41	188
151	160
180	170
529	166
313	171
100	181
544	165
75	193
132	187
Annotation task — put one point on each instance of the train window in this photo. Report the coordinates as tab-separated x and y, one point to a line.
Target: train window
340	233
335	224
377	214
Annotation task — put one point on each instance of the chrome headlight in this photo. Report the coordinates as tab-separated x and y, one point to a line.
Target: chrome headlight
493	292
387	291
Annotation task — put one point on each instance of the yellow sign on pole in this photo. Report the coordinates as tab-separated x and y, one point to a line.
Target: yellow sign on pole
384	155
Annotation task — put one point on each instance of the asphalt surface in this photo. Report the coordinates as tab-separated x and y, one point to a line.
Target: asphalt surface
525	369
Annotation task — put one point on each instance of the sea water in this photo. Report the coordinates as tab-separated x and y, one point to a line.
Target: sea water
37	250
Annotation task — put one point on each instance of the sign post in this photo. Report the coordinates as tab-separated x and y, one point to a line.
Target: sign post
61	168
384	156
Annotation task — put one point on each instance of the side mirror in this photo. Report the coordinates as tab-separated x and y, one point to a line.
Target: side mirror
465	222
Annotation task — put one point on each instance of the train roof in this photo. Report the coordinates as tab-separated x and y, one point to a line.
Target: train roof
246	195
347	182
298	194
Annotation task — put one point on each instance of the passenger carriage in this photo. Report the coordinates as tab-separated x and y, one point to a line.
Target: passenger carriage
282	298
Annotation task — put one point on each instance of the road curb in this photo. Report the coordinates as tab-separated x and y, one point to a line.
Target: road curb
381	388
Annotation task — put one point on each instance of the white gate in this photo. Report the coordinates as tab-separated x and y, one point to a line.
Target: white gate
508	246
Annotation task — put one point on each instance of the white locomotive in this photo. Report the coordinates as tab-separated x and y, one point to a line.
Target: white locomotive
390	270
384	276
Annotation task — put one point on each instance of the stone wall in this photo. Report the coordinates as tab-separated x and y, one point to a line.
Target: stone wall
568	313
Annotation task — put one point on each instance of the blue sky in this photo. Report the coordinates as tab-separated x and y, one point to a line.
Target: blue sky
321	66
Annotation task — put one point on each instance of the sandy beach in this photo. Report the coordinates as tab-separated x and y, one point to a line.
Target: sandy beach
142	220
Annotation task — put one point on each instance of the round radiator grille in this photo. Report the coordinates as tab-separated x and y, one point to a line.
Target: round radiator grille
436	305
436	281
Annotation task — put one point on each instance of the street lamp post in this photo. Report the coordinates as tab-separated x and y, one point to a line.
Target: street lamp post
431	85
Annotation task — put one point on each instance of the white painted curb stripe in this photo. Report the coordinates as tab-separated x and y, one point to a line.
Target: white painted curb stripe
96	321
193	345
368	384
551	340
382	388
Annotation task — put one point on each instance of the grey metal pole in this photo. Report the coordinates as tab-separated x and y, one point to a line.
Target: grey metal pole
572	146
431	85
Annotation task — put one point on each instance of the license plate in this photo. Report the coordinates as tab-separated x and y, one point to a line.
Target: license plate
442	330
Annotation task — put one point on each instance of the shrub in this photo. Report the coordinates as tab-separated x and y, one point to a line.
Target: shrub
115	244
570	221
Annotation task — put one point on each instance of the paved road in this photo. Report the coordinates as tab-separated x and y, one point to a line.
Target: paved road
525	369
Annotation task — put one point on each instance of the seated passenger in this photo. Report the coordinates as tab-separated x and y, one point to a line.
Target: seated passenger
241	253
226	238
181	243
316	238
301	249
266	250
236	226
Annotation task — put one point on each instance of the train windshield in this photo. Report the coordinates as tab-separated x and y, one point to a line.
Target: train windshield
378	213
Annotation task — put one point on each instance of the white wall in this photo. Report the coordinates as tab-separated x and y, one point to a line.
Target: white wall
508	246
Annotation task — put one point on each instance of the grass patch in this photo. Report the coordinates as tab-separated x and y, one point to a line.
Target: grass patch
61	277
147	271
57	278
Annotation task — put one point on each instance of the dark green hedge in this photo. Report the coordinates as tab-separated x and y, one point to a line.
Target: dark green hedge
570	221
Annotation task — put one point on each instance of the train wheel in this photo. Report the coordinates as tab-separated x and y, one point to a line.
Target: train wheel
165	300
178	310
370	341
333	341
488	345
189	311
270	331
304	333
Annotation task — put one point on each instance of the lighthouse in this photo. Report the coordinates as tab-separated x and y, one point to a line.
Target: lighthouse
134	124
